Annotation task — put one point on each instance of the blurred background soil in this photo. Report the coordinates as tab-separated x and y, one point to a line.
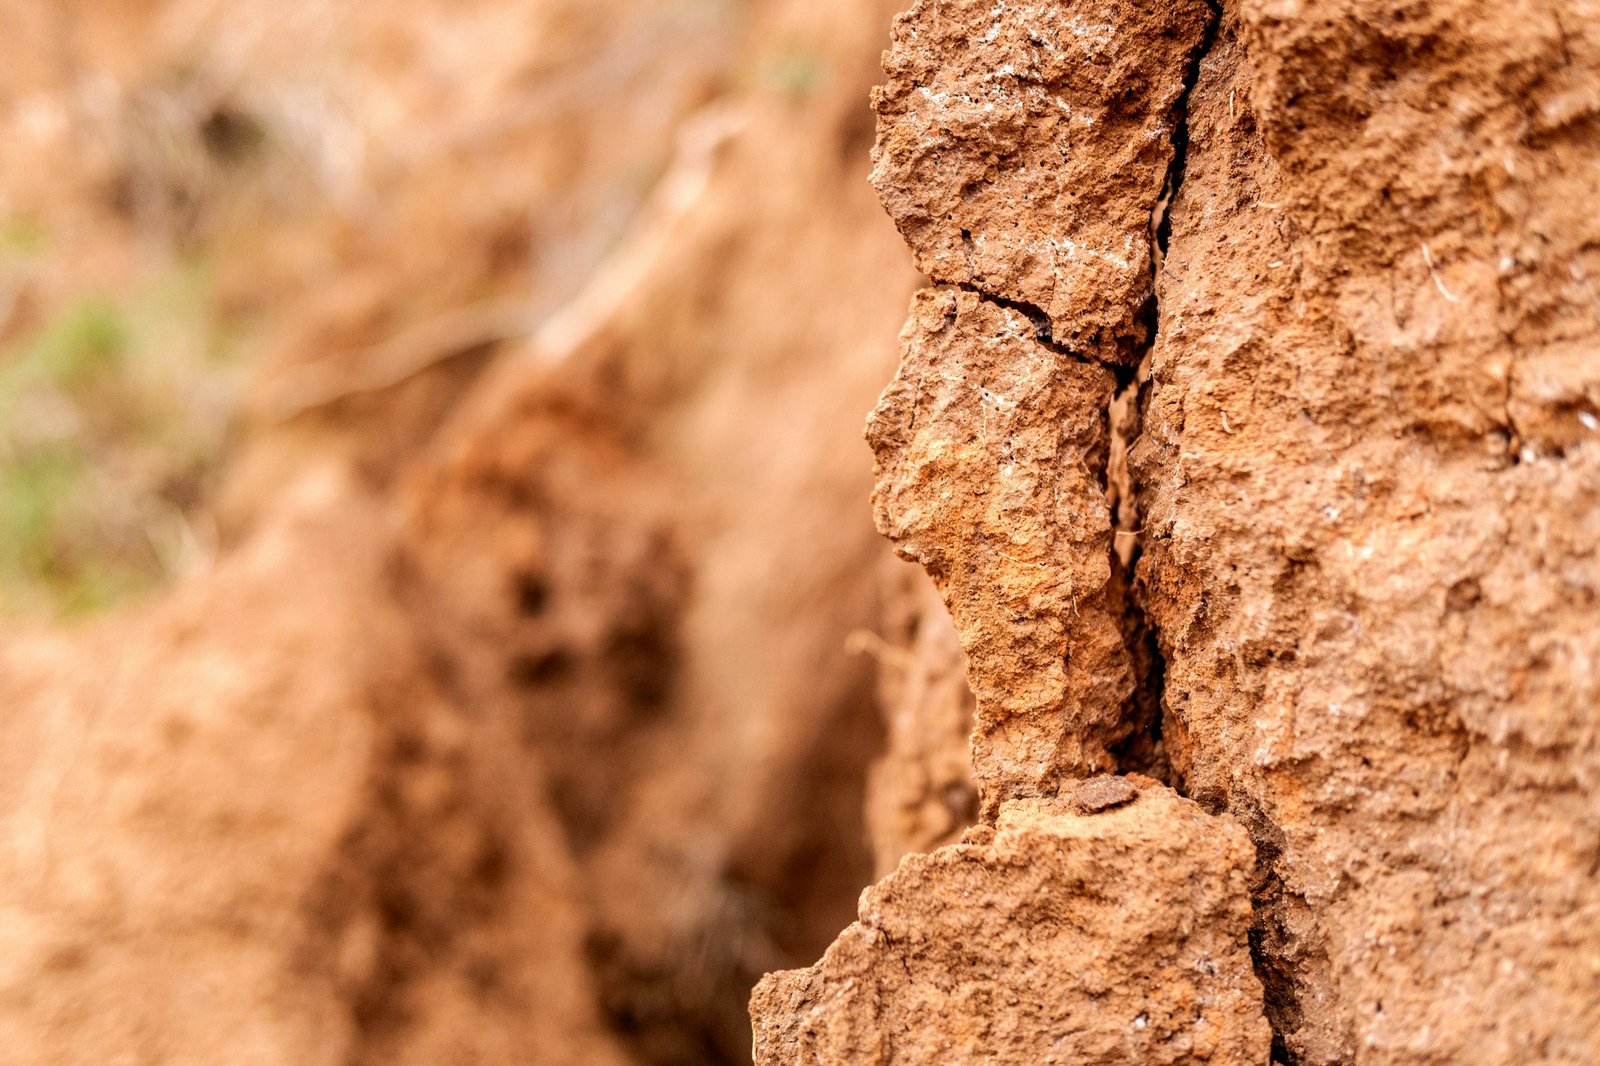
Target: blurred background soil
440	602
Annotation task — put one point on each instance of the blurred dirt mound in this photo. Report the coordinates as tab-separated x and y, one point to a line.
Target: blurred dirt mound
514	720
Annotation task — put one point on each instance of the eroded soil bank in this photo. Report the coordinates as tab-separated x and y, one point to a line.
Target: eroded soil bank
1251	434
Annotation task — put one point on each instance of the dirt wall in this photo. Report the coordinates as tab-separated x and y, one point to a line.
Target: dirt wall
536	680
1331	263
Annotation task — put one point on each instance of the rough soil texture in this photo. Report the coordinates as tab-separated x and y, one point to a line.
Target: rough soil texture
990	449
1354	480
1368	479
545	683
1059	949
1043	144
1022	148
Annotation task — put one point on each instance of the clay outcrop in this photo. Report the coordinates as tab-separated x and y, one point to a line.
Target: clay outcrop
1348	494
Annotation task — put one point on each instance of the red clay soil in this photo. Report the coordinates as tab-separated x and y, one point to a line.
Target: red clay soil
550	684
1355	475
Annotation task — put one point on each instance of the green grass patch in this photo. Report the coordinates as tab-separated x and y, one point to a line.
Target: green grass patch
112	415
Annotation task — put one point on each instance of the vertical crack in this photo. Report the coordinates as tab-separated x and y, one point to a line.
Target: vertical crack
1144	750
1269	938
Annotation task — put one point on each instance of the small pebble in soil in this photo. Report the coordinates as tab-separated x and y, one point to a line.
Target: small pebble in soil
1103	793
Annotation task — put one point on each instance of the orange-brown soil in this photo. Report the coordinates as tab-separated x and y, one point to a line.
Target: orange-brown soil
532	684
